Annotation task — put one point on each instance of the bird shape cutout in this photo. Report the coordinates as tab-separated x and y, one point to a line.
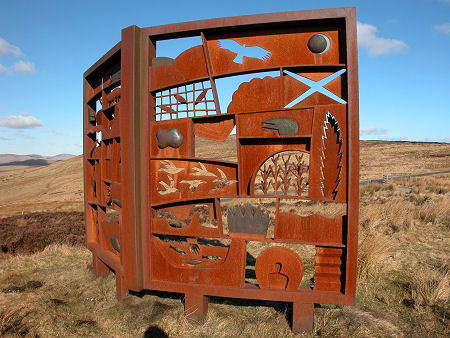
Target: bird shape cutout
241	51
223	181
169	188
193	184
169	167
202	171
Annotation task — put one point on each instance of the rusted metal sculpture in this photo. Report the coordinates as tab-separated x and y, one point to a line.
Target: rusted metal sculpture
156	214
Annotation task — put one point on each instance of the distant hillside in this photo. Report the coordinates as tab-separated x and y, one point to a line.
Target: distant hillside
60	157
55	186
29	163
31	160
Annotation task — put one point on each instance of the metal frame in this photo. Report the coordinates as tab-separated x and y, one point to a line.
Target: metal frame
121	167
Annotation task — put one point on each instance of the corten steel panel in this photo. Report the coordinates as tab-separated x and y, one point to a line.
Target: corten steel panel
102	168
297	139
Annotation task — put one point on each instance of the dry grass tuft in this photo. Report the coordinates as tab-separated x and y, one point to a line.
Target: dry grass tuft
386	215
439	184
373	251
435	211
429	286
373	188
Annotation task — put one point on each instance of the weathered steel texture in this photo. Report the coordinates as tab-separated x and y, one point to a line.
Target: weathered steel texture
188	219
296	138
286	47
170	265
328	267
316	229
180	70
298	85
279	268
131	253
217	128
101	159
110	233
258	95
188	178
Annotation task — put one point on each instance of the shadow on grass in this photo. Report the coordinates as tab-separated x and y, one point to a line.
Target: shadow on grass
155	332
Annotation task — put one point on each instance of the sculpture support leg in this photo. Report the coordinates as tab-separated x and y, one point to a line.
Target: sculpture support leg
121	289
302	317
100	268
195	306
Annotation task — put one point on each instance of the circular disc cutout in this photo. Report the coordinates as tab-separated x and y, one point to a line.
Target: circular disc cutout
279	268
318	43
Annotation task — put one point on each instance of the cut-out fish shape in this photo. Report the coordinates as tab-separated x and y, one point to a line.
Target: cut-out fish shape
241	50
192	261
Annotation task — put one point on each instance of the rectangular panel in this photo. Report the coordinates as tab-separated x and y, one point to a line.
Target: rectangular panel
175	179
244	51
281	123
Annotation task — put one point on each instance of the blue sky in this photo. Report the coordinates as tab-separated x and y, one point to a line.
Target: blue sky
45	46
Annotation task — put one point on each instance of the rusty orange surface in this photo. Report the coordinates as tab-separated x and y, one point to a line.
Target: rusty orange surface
158	215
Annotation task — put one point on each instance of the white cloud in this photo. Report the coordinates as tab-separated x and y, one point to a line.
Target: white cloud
4	138
372	131
7	48
3	69
23	135
368	39
386	138
21	121
445	140
56	132
24	67
444	28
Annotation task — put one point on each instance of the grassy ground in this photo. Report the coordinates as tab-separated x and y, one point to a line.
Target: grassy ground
403	284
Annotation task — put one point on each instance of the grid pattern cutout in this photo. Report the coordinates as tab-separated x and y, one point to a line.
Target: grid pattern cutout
190	100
